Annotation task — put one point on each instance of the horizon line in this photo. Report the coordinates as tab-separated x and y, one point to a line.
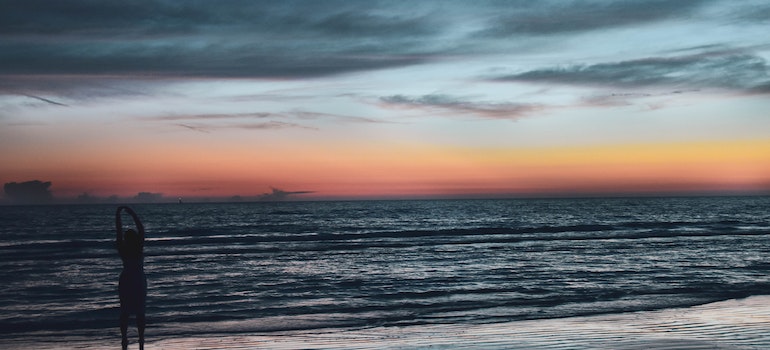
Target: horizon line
505	196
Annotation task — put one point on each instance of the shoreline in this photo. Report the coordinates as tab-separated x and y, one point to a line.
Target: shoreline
731	324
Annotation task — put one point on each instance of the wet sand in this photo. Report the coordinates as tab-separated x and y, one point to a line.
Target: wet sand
732	324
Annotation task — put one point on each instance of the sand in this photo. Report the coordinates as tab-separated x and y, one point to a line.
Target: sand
733	324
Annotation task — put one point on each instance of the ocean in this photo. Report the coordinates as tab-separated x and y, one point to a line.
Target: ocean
266	267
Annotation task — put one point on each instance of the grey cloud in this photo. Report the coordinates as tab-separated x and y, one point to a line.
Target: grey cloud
625	98
148	197
553	17
371	25
146	19
49	101
463	106
178	59
29	192
278	195
207	123
194	128
158	18
284	39
751	11
338	117
72	87
204	38
707	70
259	115
269	125
761	88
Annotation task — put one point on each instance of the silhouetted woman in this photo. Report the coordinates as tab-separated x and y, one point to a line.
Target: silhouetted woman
133	284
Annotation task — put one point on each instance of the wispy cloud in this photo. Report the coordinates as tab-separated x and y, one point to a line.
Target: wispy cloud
458	105
76	87
267	125
194	128
336	117
725	70
46	100
207	123
220	116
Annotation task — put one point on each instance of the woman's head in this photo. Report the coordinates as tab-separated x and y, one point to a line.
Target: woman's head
132	241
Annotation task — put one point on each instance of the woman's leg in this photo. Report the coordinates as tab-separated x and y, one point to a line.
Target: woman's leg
124	329
140	323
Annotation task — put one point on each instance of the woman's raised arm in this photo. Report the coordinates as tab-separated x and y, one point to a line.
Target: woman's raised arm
139	225
118	225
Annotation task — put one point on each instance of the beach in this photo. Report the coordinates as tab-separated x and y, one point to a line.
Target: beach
731	324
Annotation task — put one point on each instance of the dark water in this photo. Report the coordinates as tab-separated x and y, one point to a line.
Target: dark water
258	267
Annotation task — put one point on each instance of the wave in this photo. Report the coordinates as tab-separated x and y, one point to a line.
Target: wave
181	243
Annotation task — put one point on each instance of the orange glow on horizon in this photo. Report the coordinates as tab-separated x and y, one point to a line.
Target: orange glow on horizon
391	170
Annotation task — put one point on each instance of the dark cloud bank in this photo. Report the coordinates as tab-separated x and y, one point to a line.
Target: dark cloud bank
28	192
284	39
204	38
36	192
56	46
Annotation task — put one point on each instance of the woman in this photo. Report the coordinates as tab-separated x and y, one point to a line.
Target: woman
133	284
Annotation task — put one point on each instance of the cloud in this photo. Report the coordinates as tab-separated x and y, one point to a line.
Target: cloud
181	60
28	192
462	106
50	47
148	197
362	24
556	17
209	39
194	128
258	115
758	12
336	117
206	123
287	39
165	18
719	69
279	195
650	101
45	100
761	88
269	125
75	87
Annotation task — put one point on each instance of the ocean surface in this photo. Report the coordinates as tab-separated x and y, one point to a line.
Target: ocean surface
227	268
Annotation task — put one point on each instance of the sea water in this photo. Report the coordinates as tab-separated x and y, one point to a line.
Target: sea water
263	267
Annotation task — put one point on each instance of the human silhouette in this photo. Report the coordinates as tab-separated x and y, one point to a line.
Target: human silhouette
132	287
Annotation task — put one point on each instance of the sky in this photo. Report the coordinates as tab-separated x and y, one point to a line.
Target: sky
385	99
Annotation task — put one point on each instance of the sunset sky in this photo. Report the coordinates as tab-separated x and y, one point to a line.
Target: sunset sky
385	99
